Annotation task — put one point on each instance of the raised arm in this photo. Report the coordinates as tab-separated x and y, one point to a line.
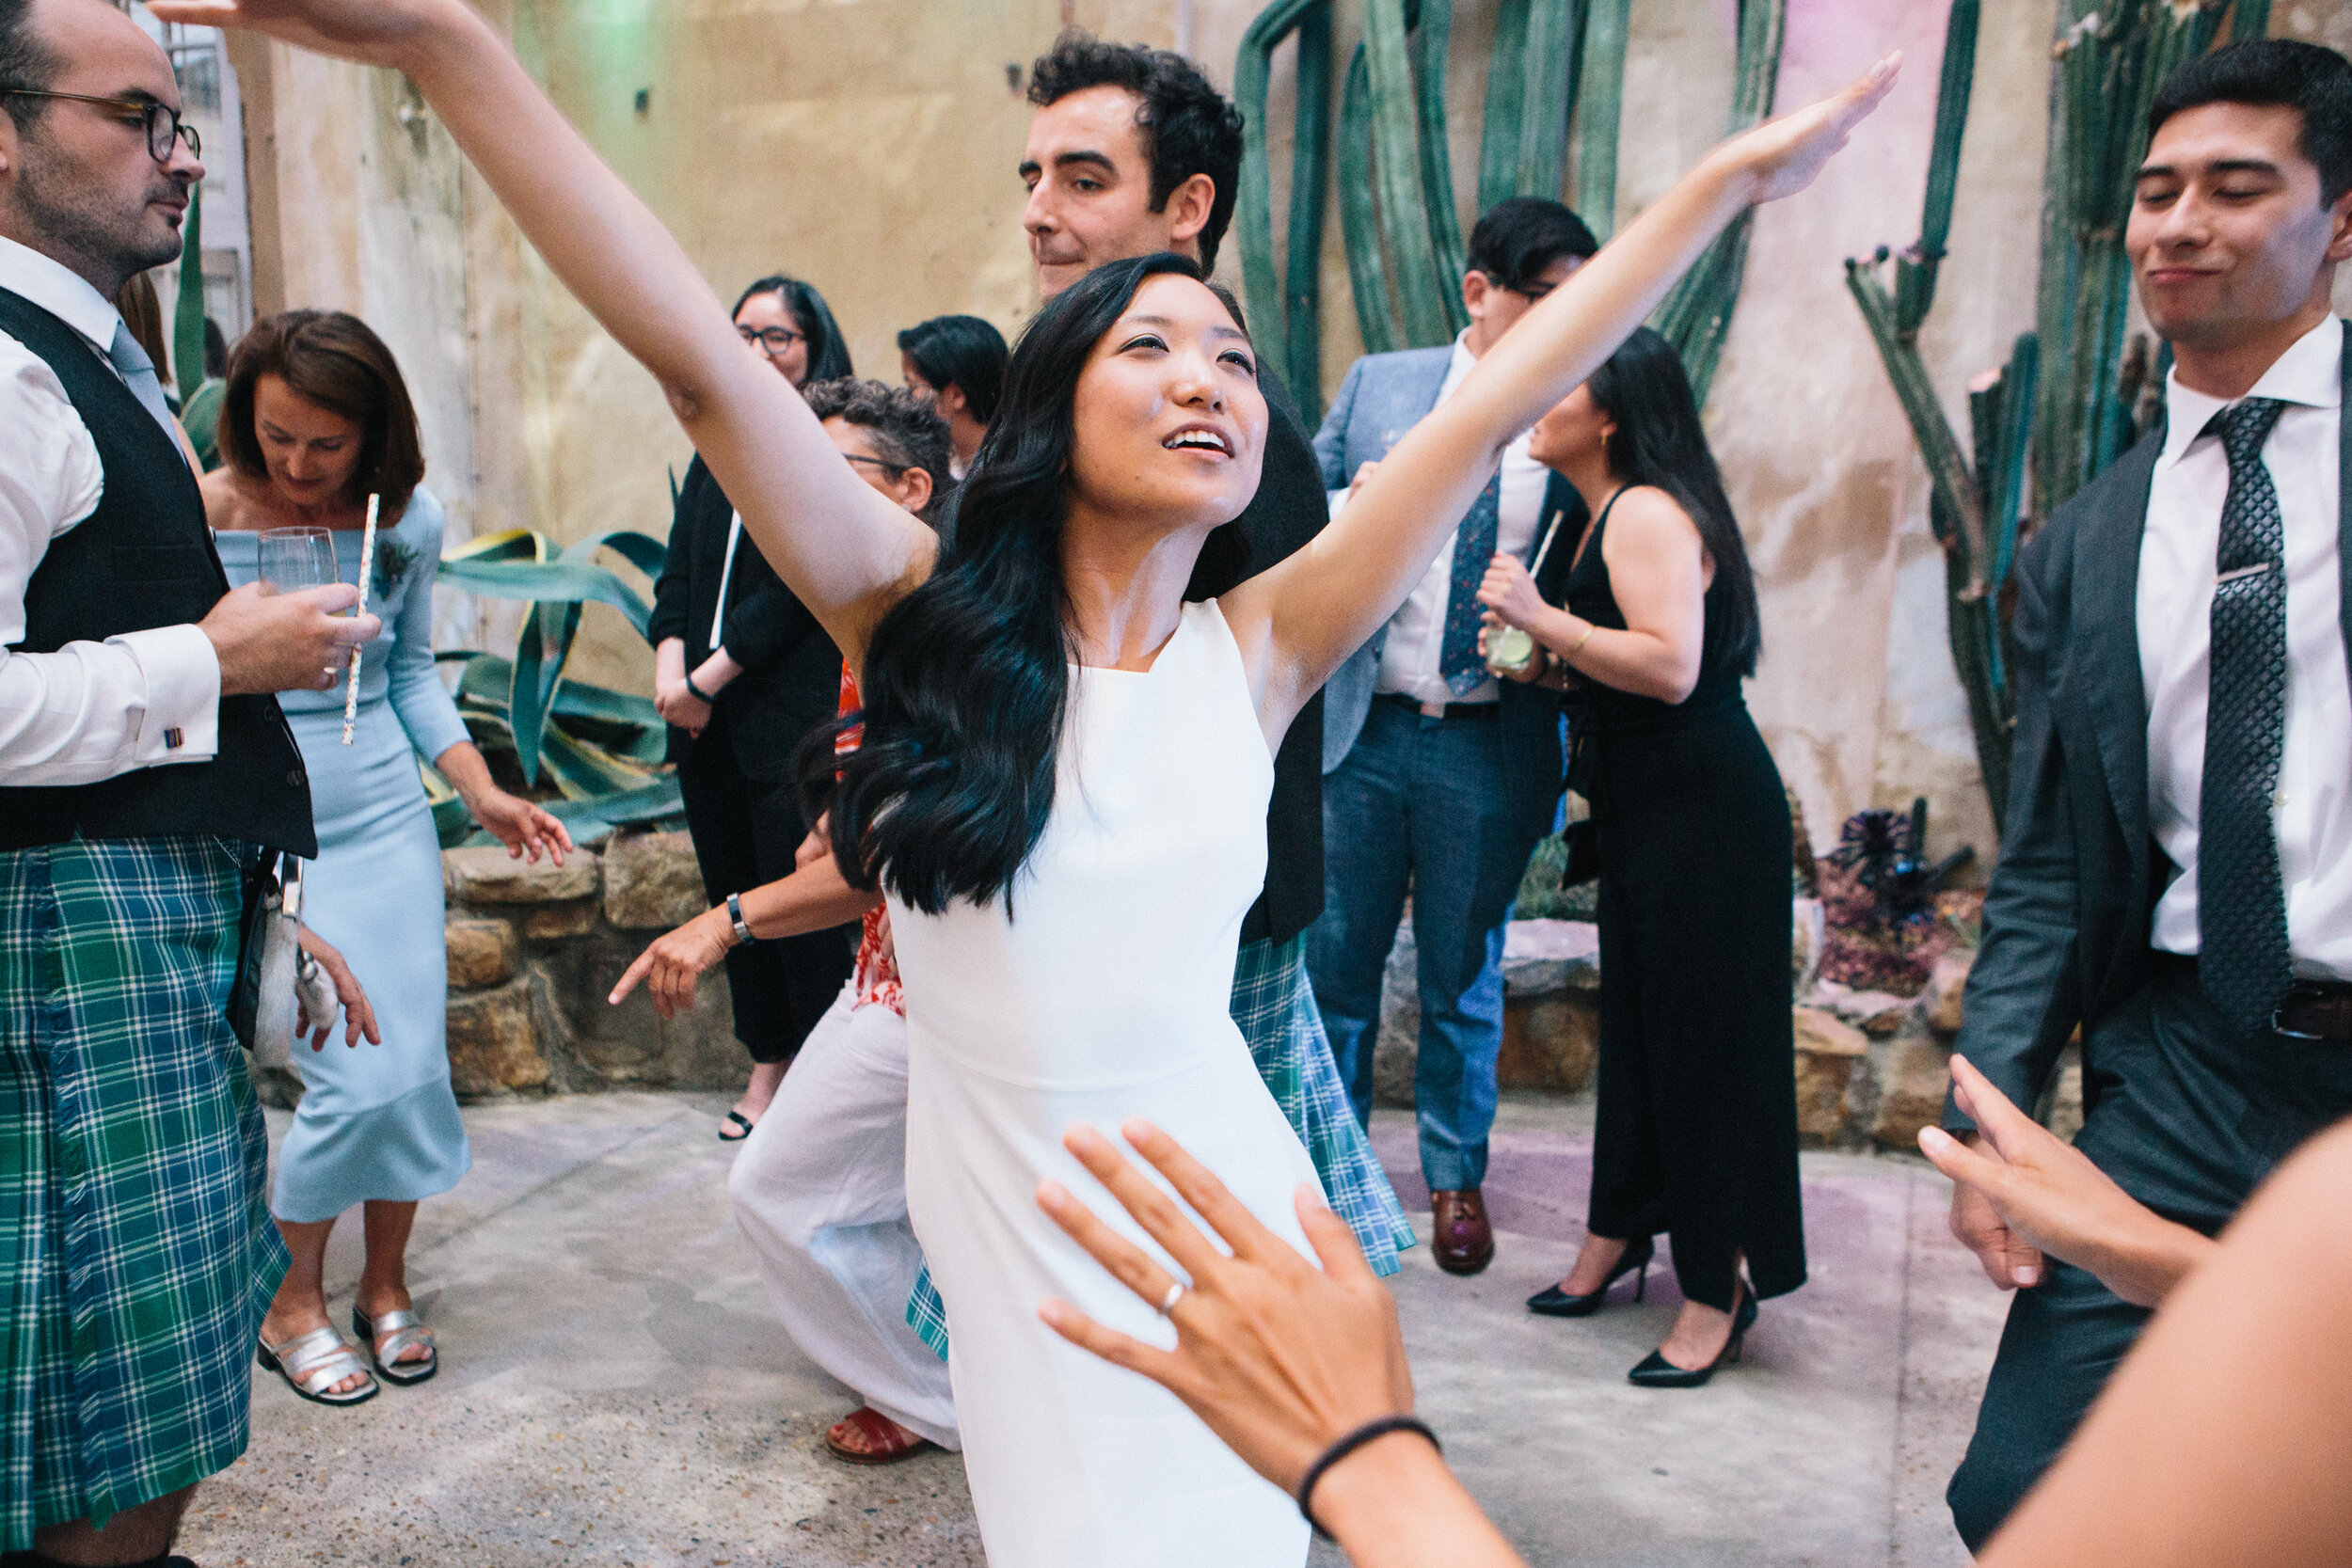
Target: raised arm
1305	615
846	551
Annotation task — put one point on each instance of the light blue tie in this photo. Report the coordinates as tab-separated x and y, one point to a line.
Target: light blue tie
138	374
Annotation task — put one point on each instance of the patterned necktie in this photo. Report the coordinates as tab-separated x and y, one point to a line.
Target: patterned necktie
2241	904
1459	658
138	374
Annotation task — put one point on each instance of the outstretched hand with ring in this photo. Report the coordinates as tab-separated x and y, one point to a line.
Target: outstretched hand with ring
1280	1357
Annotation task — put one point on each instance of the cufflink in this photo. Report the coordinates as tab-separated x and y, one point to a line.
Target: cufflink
172	739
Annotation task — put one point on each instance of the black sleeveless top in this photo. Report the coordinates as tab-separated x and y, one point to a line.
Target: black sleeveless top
1603	710
144	559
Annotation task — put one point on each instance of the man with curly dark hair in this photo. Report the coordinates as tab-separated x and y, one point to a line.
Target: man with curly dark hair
1132	150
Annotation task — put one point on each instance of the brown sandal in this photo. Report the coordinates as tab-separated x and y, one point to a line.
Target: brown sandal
886	1441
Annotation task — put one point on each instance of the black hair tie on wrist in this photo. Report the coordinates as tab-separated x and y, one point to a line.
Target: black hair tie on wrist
1348	1445
699	694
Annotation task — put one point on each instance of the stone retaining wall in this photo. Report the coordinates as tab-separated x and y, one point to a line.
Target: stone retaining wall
1871	1066
533	950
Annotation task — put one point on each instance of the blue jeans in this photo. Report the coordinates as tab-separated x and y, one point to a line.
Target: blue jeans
1420	804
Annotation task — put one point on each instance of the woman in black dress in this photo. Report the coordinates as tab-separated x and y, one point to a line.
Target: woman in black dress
1697	1126
740	684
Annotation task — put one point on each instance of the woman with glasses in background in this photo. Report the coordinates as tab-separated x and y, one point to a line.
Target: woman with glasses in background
742	671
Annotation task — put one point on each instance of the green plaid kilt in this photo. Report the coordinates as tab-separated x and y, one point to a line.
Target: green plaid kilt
136	1252
1275	1007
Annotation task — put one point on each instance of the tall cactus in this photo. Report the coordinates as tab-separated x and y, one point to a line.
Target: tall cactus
187	311
2065	420
1553	61
1297	350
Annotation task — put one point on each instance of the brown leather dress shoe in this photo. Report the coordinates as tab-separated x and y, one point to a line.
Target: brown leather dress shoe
1463	1242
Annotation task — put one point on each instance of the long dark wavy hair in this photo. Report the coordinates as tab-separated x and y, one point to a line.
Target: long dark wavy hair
1659	441
967	678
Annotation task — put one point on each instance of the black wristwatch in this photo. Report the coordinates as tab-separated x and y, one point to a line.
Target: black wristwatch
735	913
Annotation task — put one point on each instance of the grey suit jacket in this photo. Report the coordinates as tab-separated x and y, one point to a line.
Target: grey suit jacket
2067	918
1383	396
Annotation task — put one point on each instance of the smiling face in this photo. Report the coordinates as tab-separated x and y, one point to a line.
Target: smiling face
1169	420
79	185
310	451
1089	180
2229	237
769	312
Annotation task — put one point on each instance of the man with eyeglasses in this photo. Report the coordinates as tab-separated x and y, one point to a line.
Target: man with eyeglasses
143	767
1438	777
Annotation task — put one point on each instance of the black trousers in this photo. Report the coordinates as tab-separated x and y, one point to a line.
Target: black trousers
745	830
1697	1128
2187	1115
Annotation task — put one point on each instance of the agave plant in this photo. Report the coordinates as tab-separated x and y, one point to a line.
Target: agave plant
602	750
200	396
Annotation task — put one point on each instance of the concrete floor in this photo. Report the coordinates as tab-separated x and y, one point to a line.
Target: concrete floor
616	1392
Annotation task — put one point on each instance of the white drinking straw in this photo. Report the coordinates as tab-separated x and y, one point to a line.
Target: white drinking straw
367	567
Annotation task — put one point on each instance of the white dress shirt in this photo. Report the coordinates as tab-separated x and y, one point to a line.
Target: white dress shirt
90	710
1408	661
2312	809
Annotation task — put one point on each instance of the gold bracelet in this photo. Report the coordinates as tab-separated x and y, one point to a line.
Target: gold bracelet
1590	628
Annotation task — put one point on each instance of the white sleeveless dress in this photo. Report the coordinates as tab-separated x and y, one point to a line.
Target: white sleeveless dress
1102	993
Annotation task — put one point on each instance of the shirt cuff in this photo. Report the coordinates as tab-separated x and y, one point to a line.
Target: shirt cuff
182	718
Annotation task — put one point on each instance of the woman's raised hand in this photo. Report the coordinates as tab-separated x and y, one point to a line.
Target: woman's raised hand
1280	1357
1783	155
375	32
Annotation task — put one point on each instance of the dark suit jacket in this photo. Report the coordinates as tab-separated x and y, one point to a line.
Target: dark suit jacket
1288	509
1383	396
791	677
2067	919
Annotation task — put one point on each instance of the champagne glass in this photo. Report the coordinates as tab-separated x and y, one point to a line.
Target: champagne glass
293	559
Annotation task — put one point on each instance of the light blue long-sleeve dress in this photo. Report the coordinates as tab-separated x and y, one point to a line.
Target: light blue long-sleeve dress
376	1122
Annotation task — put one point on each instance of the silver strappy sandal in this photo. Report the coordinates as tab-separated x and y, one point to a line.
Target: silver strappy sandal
313	1363
400	1331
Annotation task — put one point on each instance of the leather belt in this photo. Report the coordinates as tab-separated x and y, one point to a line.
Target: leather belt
1441	710
2315	1010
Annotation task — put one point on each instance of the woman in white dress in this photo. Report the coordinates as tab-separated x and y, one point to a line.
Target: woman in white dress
1065	768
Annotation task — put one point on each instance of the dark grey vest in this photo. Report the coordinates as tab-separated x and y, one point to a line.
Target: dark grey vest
144	559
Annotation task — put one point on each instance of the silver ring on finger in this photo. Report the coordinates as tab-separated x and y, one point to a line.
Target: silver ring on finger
1175	1294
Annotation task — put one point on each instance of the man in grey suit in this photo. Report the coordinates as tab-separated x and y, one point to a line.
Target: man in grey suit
1436	776
2176	869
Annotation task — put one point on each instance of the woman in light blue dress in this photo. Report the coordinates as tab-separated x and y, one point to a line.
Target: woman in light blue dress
315	418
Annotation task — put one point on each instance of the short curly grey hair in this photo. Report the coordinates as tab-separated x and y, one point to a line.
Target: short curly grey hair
908	431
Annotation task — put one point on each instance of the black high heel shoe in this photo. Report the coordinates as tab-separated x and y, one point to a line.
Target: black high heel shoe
1552	1302
1656	1372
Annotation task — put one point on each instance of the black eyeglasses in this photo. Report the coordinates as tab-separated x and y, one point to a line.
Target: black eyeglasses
771	340
893	469
162	122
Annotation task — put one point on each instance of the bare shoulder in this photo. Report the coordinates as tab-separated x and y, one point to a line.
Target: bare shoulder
225	505
1645	519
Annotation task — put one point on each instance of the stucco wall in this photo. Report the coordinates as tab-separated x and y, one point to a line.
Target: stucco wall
869	145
